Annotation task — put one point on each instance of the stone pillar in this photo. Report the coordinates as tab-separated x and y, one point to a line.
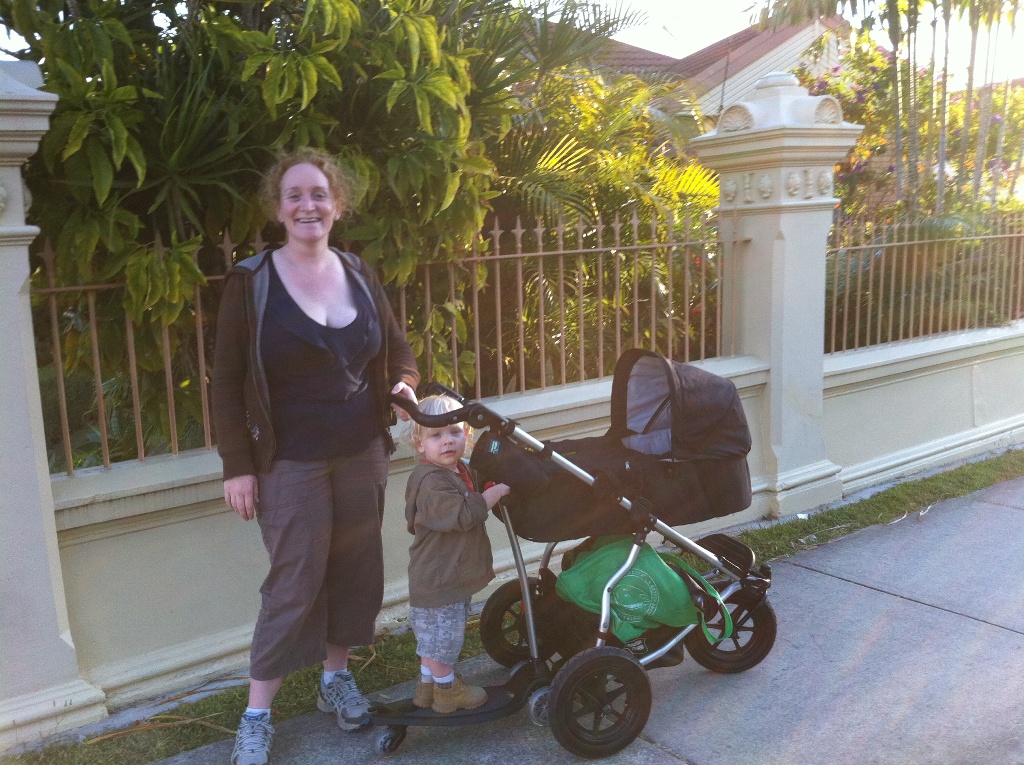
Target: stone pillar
775	154
41	691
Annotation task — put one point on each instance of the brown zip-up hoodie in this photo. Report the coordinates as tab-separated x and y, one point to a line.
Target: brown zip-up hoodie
450	557
241	401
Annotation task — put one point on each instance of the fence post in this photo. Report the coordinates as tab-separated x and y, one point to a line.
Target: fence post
41	691
775	155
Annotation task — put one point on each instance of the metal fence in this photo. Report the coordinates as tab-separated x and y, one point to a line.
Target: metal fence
527	309
896	280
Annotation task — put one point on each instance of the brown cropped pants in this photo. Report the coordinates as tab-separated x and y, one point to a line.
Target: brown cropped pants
320	523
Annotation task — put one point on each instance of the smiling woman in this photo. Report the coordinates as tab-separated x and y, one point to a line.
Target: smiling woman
307	353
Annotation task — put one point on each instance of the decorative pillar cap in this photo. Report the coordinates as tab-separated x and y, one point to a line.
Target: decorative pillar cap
778	124
778	101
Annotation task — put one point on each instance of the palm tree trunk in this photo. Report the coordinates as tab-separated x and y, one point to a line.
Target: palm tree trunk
974	19
984	117
892	14
913	117
929	146
940	194
997	160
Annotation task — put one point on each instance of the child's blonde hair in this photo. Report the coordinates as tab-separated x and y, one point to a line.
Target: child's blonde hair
436	405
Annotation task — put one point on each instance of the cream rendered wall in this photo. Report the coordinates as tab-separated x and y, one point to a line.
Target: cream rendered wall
905	407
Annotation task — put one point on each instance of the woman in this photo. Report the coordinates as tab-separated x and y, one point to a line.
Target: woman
307	351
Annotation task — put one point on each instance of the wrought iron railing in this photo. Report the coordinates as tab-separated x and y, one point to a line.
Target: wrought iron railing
893	280
528	308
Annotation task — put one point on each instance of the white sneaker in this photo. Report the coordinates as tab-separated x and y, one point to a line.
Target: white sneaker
252	742
342	697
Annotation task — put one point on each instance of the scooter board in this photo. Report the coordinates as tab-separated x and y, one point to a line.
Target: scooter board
501	702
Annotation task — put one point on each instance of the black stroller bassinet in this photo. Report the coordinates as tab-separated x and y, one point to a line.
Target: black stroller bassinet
678	438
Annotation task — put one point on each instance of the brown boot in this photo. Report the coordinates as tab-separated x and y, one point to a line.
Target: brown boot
457	696
424	695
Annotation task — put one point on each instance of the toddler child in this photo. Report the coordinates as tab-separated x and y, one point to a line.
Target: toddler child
449	559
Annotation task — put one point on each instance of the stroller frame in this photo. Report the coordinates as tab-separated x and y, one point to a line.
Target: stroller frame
531	680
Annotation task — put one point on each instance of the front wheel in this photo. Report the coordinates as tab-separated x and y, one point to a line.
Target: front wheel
753	635
599	702
503	632
392	738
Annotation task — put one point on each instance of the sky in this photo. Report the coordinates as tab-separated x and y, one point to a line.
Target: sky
677	28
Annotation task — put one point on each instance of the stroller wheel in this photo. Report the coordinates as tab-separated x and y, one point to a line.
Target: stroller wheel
599	702
753	635
391	739
503	630
538	706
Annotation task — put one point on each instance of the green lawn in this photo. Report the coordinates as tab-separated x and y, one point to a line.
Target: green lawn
393	659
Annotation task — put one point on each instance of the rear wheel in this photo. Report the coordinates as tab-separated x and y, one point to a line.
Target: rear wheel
753	635
503	632
599	702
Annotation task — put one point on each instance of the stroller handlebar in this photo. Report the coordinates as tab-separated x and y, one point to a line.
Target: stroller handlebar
473	412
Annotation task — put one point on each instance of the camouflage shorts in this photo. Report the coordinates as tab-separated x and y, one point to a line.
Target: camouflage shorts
440	631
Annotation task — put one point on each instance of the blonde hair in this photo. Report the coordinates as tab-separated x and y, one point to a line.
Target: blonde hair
338	182
436	405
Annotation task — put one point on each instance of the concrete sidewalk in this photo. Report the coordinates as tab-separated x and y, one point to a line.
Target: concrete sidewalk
900	644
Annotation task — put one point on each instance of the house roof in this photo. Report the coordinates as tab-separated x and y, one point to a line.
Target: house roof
708	67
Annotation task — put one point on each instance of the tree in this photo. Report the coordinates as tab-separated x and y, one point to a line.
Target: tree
167	113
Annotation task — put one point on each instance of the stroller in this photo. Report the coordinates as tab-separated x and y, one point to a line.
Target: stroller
675	454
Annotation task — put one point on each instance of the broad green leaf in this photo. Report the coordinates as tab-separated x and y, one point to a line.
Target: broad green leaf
412	36
475	164
397	72
397	88
118	137
309	81
77	135
423	110
254	62
441	86
137	157
451	189
325	70
102	171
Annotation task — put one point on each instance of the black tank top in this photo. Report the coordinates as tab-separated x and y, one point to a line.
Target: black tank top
320	402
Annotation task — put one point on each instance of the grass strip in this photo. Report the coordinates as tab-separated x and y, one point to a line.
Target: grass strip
393	659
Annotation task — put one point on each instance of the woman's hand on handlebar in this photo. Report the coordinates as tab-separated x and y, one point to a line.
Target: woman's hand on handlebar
242	493
403	389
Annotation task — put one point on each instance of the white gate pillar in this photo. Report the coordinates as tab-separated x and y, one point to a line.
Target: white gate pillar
775	155
41	691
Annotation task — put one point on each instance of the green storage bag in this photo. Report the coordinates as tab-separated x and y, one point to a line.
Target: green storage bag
651	593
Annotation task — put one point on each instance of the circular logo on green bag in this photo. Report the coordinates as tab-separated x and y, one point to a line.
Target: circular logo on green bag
636	597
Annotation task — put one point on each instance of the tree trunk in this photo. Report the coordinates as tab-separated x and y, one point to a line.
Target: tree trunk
940	194
974	18
930	147
913	117
984	118
895	37
997	160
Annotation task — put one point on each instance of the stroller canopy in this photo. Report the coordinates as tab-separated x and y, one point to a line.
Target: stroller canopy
676	409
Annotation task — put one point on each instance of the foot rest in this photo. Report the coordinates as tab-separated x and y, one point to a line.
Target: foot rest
736	555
